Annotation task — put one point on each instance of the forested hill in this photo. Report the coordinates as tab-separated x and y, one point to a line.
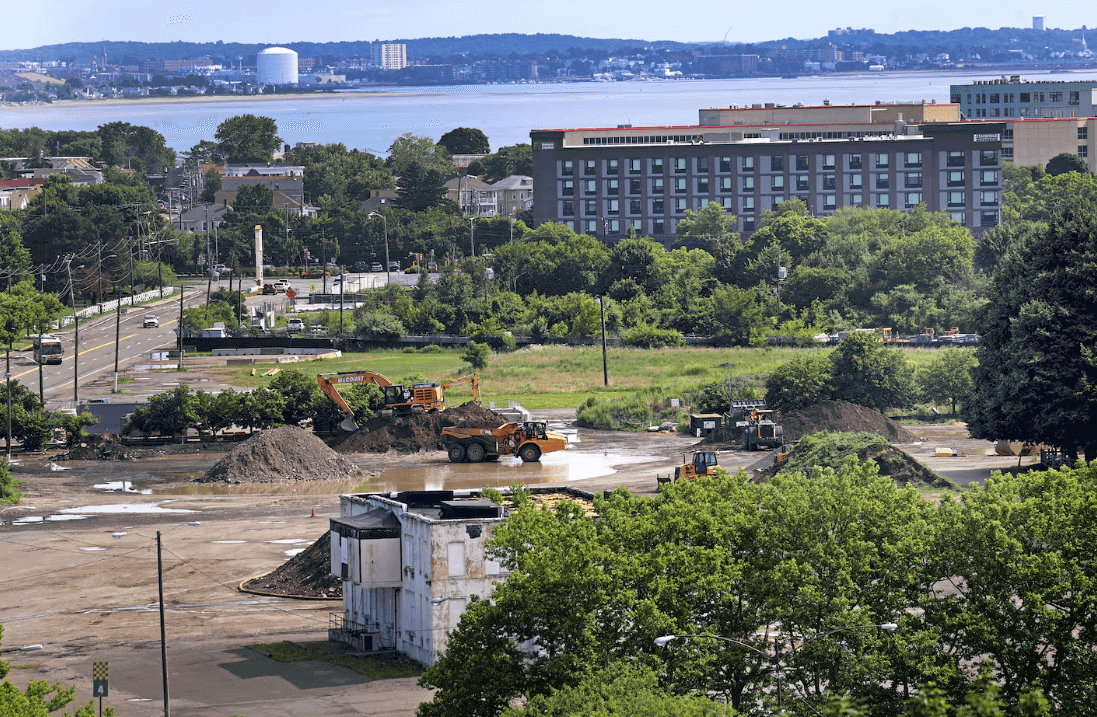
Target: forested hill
502	44
959	42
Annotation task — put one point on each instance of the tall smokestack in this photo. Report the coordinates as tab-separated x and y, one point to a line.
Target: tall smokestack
258	255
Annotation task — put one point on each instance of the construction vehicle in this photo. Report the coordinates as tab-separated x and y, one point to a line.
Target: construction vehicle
526	439
399	401
759	431
704	463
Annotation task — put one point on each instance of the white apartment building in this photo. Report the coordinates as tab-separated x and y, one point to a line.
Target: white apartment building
389	56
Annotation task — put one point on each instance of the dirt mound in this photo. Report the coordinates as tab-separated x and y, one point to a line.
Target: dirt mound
844	417
307	574
412	434
284	453
102	447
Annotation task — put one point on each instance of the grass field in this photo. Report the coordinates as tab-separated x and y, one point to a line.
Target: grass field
563	376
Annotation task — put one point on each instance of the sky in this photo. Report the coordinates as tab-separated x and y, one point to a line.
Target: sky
30	23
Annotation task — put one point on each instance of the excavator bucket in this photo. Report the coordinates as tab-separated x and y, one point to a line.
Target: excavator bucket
348	424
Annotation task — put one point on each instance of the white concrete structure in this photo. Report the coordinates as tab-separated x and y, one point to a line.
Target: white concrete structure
277	66
389	56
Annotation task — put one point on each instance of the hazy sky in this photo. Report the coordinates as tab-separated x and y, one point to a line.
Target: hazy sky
30	23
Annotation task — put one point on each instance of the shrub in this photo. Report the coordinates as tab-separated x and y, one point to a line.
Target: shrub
477	355
8	491
802	381
650	337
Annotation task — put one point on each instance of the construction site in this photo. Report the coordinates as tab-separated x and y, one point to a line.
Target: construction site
247	558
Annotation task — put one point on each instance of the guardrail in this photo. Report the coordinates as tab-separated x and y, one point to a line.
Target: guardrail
111	305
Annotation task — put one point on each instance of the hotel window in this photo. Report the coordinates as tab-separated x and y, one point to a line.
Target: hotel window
679	185
1007	153
656	166
592	227
802	163
954	159
747	184
725	202
855	181
881	161
611	167
748	164
1026	97
913	199
828	182
590	168
748	224
830	201
988	219
702	165
633	166
657	206
637	224
613	206
590	186
657	186
702	185
777	163
679	205
802	183
590	207
567	167
1007	135
615	226
883	200
570	225
725	184
567	188
725	165
700	203
828	161
988	198
778	183
994	98
658	226
913	180
995	112
959	217
913	159
1083	133
1083	150
955	178
1007	98
634	186
883	181
613	186
679	165
854	161
568	207
989	176
1054	96
856	200
748	205
1074	98
956	199
988	158
634	206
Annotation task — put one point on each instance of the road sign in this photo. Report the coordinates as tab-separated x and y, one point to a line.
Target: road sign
99	686
291	293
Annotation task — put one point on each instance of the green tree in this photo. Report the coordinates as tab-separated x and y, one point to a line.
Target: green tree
9	494
1036	338
408	150
419	188
299	392
947	377
513	159
135	147
253	199
802	381
213	185
172	413
465	140
1066	162
706	228
868	373
477	355
248	138
74	426
265	407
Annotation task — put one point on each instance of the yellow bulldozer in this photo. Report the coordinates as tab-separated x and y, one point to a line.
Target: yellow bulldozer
399	401
526	439
704	463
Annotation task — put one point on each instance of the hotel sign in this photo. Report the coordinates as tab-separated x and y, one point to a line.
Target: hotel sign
547	145
988	138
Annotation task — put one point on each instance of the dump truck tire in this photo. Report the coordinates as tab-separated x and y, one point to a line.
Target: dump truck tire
474	452
456	453
530	453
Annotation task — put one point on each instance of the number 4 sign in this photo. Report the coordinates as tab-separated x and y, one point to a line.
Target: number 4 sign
99	686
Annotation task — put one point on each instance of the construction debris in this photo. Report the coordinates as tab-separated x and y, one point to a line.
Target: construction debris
102	447
306	575
415	433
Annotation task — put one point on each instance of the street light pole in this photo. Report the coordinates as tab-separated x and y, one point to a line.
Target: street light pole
472	237
76	348
388	278
163	628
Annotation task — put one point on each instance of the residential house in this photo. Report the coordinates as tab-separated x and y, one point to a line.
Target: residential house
379	198
473	195
515	194
264	170
204	217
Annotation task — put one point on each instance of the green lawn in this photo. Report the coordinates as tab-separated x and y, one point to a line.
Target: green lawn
563	376
376	668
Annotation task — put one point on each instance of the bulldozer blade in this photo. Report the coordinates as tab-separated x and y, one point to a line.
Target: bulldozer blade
349	425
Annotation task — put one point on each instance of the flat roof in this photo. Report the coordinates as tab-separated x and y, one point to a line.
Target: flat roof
833	106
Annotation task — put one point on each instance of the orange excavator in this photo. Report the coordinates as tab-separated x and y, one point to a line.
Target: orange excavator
399	400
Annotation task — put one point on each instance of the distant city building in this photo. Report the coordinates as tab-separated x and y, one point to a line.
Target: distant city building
389	56
161	66
727	64
1016	97
1038	22
277	66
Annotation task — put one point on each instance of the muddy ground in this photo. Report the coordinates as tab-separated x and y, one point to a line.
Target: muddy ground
84	596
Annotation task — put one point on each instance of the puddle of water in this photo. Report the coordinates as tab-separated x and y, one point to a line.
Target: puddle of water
229	542
295	551
54	467
440	474
93	548
121	486
32	519
289	541
126	508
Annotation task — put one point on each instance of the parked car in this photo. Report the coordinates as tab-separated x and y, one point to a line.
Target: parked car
376	266
150	322
294	326
394	266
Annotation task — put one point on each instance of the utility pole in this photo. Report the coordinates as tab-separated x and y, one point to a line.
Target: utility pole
76	349
472	236
117	333
180	328
605	363
324	259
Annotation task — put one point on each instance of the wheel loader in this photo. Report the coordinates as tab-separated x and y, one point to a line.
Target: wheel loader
526	439
704	463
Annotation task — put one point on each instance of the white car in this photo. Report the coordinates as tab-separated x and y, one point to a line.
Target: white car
281	285
150	322
294	326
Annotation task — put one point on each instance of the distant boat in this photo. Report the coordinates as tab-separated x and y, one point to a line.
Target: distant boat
789	77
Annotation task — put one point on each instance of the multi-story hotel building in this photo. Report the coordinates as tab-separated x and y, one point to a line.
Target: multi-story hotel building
603	181
1016	97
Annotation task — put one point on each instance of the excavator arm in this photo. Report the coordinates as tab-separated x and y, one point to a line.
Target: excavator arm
329	381
472	378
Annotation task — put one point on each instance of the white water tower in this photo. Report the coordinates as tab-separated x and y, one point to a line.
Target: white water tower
277	66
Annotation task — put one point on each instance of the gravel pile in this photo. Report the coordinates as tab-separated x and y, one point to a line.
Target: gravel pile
825	416
281	454
307	574
421	432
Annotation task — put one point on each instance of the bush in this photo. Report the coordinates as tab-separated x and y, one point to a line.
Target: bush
800	382
635	412
431	349
650	337
477	355
8	491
